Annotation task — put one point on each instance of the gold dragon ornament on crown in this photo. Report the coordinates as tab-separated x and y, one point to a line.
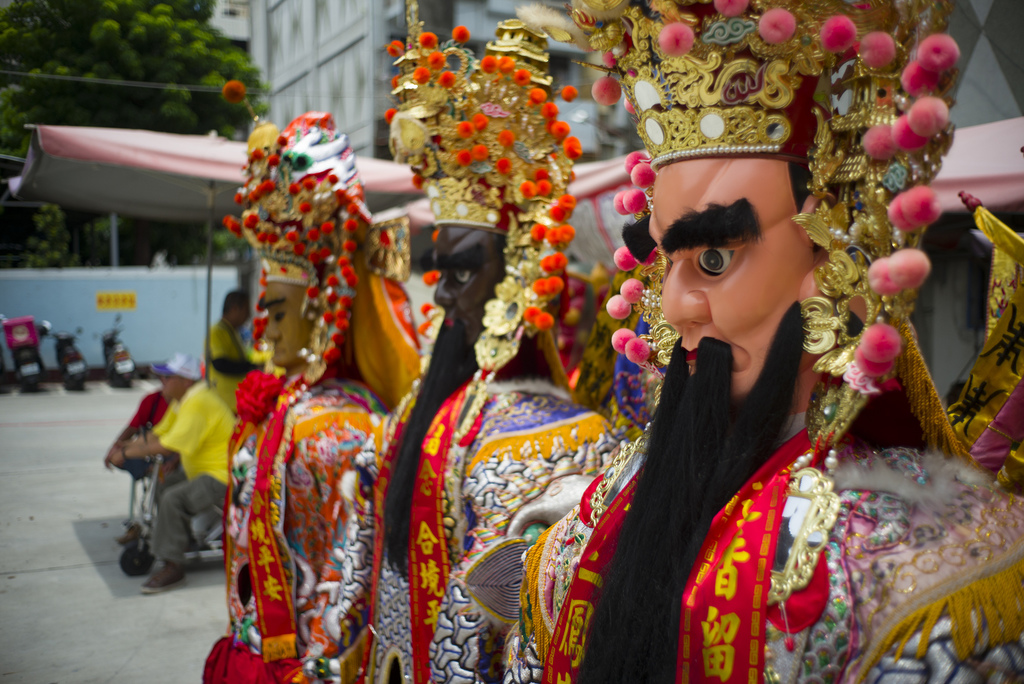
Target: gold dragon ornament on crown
858	90
483	138
304	214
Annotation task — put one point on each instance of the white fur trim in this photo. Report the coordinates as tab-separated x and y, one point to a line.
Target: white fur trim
528	386
943	471
544	20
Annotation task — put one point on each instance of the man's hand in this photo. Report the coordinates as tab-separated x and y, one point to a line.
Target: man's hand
115	457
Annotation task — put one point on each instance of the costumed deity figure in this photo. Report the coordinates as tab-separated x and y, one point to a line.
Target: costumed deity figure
487	448
337	321
800	509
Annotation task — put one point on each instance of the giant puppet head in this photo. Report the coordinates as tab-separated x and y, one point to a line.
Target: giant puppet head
483	138
332	304
735	100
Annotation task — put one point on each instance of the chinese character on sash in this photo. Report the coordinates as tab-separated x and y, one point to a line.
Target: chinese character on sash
426	539
718	652
430	578
272	588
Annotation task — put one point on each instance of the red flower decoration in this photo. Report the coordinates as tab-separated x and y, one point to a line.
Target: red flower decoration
257	395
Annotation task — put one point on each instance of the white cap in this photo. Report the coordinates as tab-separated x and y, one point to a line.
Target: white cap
183	365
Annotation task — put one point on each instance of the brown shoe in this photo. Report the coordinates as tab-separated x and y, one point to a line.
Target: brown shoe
130	535
170	576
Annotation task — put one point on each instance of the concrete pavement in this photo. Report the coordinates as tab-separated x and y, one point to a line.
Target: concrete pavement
68	615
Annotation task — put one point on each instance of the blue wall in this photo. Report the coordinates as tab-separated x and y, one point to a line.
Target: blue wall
170	307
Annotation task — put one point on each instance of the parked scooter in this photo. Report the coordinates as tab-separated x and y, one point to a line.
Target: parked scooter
70	360
119	363
22	335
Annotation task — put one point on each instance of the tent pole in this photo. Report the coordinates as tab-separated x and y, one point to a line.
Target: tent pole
113	240
211	193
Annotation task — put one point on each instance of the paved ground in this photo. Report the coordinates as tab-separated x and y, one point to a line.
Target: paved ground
68	615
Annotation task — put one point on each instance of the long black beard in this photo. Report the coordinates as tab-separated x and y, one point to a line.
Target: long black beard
698	457
452	363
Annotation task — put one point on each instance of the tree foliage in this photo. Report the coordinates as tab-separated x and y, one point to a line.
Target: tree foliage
50	246
133	40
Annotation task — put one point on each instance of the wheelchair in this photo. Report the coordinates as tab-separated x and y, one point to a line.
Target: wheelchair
206	527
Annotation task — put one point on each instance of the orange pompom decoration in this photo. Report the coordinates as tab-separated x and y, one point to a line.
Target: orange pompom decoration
332	179
328	317
480	121
346	301
567	202
555	285
426	309
506	138
543	188
337	339
332	297
327	227
349	245
281	141
233	91
560	129
341	324
479	152
568	233
417	181
506	65
549	110
528	189
463	158
239	198
352	209
352	279
544	321
421	75
436	60
314	257
428	40
396	48
556	212
257	154
464	129
489	64
423	328
460	34
332	355
430	278
538	231
434	234
351	225
266	187
394	82
305	207
522	77
313	234
569	93
446	79
573	148
389	116
332	280
299	249
251	221
313	292
537	95
503	165
294	188
308	182
531	313
292	236
540	287
274	160
554	263
541	174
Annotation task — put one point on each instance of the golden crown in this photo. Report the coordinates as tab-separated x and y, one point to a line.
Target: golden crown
859	90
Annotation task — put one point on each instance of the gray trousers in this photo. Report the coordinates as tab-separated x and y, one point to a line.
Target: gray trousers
178	503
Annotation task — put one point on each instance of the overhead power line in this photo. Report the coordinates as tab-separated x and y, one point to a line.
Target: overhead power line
123	83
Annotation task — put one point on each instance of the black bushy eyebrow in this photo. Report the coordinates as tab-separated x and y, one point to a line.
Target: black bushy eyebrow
637	237
265	305
714	227
467	260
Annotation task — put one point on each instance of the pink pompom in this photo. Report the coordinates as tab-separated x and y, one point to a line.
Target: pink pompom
870	368
928	116
904	136
938	52
634	201
920	206
606	91
878	142
634	158
776	26
731	8
617	203
637	350
838	33
908	268
642	175
632	290
877	49
620	338
651	258
617	307
880	278
624	260
896	217
609	59
675	39
629	106
881	343
917	80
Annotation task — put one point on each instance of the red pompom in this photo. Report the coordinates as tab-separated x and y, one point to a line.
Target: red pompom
634	201
776	26
881	343
632	290
624	259
878	142
917	80
620	338
904	136
642	175
634	158
838	33
869	367
877	49
920	206
731	8
675	40
637	350
938	52
617	307
606	90
928	116
880	278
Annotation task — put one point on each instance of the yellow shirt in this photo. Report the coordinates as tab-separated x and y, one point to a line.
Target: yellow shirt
225	343
199	430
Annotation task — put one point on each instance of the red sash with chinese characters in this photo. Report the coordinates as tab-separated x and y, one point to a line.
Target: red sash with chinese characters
722	623
270	584
568	641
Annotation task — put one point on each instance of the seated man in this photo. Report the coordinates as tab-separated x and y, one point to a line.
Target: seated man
226	359
199	434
